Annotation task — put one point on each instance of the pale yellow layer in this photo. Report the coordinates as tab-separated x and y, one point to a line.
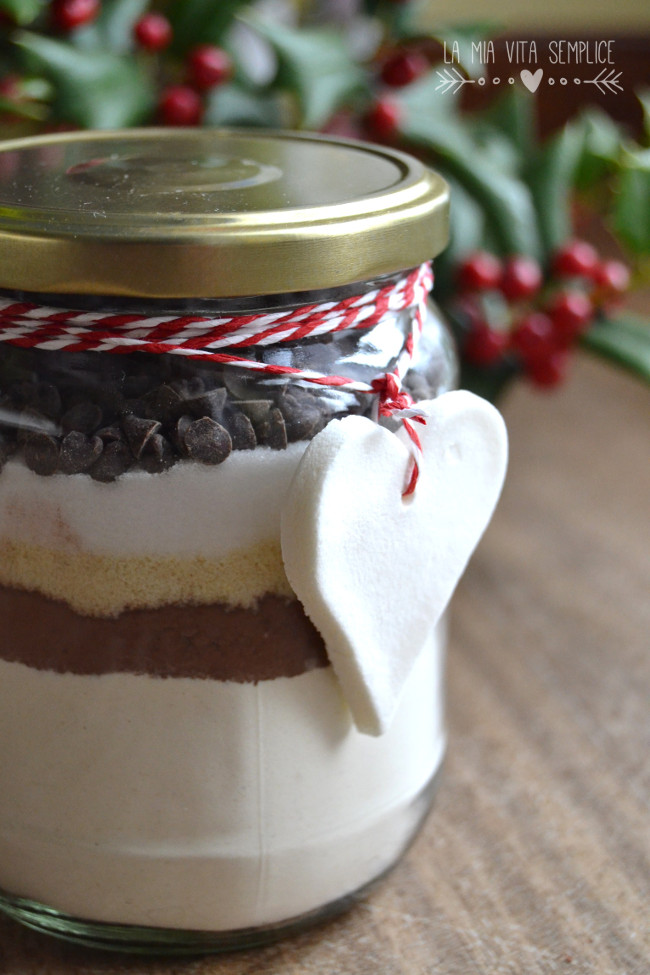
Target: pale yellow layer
101	585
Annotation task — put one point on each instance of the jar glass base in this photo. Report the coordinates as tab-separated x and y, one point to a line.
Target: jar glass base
137	939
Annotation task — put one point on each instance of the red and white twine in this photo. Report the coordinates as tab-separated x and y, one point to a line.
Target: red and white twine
33	326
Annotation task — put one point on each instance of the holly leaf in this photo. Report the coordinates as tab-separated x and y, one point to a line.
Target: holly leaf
315	65
632	202
624	340
201	21
466	233
113	29
504	197
95	89
400	21
25	110
495	147
551	176
601	147
114	26
233	105
512	115
429	98
644	98
467	221
490	382
22	12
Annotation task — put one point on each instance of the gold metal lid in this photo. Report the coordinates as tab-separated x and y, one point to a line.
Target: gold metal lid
161	213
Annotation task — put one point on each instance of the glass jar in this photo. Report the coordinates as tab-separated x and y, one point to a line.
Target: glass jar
179	770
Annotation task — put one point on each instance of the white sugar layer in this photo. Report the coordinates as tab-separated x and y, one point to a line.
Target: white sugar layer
203	804
189	510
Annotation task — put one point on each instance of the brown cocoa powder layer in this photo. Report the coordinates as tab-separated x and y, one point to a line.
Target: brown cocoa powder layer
214	641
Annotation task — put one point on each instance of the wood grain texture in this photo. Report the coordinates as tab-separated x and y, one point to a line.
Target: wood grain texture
536	858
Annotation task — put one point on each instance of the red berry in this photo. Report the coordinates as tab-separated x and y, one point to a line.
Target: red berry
383	118
484	346
577	258
345	123
403	68
549	371
70	14
180	105
612	279
153	32
570	312
10	87
479	271
533	338
208	66
521	278
11	92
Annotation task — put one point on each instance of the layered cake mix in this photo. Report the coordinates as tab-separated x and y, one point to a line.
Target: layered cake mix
175	750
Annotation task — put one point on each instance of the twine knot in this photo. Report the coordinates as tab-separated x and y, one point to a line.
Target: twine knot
392	398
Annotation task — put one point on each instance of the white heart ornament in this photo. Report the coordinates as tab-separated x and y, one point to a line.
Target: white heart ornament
374	571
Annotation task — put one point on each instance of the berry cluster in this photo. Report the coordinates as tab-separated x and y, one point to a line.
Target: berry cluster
205	65
397	66
509	311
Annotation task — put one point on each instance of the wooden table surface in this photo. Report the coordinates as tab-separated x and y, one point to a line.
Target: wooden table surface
536	857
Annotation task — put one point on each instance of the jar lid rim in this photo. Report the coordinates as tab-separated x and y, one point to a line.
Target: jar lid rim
211	212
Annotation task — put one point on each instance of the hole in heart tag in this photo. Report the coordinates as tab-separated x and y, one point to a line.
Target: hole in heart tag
375	570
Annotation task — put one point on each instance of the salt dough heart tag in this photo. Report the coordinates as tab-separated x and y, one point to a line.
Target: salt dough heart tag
374	571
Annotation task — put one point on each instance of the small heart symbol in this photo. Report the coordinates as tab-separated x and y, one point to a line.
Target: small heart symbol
374	571
531	80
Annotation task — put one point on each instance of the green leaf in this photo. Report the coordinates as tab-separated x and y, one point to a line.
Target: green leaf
625	341
201	21
495	147
429	98
644	98
400	20
113	29
467	221
22	12
25	110
490	382
115	23
632	203
35	89
551	177
315	65
95	89
504	197
513	116
233	105
601	147
466	233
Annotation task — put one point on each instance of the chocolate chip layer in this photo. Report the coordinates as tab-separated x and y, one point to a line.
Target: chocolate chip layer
214	641
103	415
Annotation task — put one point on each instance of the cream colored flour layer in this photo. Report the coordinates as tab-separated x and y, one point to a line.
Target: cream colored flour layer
99	585
193	534
203	804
